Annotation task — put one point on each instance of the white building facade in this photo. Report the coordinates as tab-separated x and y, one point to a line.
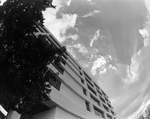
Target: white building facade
76	95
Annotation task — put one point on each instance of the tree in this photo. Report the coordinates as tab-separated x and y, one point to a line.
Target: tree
24	57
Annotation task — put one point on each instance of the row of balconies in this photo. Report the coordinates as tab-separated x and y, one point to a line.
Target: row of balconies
90	82
91	89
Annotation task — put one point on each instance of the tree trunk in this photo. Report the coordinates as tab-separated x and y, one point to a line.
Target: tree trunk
13	115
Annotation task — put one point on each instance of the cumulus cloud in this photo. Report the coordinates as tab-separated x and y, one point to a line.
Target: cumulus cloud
71	51
95	37
124	23
57	26
68	2
112	67
135	80
144	33
121	59
93	53
130	84
77	48
85	64
72	37
108	58
91	2
99	63
81	48
91	13
132	70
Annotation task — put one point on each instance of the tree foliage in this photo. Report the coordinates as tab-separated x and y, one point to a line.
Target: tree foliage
24	57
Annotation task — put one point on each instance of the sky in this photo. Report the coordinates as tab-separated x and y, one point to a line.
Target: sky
110	39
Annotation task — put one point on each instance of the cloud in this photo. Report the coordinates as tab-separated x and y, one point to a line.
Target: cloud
91	2
128	84
99	63
108	58
71	37
59	26
147	3
95	37
68	2
84	64
81	48
144	33
74	49
124	19
134	85
120	59
91	13
112	67
132	70
71	51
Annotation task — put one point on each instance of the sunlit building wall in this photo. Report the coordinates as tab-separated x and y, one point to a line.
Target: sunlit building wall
146	114
76	95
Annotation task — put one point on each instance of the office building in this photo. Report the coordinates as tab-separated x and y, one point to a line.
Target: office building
2	116
146	114
75	95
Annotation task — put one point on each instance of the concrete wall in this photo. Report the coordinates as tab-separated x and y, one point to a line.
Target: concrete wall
72	72
62	114
55	113
50	114
74	66
65	91
69	106
67	79
13	115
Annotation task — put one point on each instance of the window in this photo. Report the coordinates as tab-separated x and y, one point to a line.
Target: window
106	108
54	81
102	99
92	90
82	80
95	100
104	93
87	105
96	85
109	101
65	56
87	76
109	105
109	117
106	99
112	112
99	112
106	96
99	92
63	60
81	73
84	91
56	85
89	81
58	65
